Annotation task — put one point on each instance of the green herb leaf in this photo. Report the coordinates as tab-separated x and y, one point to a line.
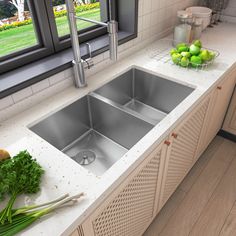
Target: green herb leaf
18	175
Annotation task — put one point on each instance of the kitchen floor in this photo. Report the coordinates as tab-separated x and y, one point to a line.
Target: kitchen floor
205	202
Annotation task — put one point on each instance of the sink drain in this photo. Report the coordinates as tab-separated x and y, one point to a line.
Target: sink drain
85	157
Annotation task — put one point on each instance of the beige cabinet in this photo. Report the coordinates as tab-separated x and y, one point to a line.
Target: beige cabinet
230	119
129	210
181	152
219	104
78	232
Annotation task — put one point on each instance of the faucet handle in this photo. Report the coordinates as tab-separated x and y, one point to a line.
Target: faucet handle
89	49
88	63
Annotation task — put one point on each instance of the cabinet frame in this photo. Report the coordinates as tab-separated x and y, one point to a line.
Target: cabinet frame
88	227
204	104
165	147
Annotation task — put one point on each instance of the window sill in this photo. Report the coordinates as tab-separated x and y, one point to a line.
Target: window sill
29	74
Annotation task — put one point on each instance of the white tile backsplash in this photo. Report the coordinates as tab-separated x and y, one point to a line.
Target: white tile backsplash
155	5
140	23
6	102
56	78
40	86
162	3
146	21
147	7
156	18
68	72
22	94
140	7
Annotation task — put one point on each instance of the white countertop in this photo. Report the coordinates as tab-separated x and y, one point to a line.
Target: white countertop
63	175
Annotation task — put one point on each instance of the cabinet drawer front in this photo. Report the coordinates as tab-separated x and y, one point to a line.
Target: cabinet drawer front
131	210
181	154
220	106
230	119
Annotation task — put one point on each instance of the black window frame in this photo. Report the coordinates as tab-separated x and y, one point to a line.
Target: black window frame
35	70
43	49
64	42
48	39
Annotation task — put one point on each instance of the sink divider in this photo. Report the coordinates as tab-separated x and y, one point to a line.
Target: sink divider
122	108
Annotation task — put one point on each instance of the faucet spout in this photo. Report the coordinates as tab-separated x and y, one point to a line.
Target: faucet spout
113	39
78	67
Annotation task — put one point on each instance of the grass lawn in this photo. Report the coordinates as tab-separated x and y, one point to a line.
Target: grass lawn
13	40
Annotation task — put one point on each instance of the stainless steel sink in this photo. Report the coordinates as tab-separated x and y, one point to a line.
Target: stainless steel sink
101	127
149	95
92	132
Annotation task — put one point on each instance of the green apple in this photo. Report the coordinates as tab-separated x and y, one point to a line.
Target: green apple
176	58
212	55
194	50
181	45
205	55
184	62
173	50
196	61
186	54
183	49
198	43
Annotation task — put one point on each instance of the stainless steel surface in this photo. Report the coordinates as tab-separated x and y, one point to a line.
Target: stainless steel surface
99	128
79	76
88	62
147	94
78	67
145	110
91	125
105	150
112	28
84	157
113	39
91	21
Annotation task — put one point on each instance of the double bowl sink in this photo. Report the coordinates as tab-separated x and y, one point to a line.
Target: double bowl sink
98	129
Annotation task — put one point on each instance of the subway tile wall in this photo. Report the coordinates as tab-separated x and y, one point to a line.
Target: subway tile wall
231	9
229	14
156	18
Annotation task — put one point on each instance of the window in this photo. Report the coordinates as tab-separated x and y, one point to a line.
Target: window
31	29
12	37
91	11
25	33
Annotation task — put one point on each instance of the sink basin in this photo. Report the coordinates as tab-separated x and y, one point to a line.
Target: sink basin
149	95
98	129
92	132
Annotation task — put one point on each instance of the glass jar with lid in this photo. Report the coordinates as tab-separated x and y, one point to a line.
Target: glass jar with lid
182	31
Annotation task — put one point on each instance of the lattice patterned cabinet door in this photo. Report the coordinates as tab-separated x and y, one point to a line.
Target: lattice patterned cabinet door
181	153
224	93
130	210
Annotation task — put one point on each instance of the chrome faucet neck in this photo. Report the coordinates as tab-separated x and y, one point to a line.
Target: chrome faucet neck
78	63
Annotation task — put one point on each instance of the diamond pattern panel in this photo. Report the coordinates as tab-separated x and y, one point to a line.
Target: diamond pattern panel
130	212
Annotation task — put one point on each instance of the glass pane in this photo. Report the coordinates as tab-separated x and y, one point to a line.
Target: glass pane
16	27
86	8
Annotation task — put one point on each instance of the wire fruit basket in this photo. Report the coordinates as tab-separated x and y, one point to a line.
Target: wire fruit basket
161	52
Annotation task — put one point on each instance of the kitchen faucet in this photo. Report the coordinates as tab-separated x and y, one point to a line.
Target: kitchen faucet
78	62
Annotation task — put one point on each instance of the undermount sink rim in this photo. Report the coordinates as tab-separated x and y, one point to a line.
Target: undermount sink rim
111	103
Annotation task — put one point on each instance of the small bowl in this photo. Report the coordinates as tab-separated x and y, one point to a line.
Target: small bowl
203	13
